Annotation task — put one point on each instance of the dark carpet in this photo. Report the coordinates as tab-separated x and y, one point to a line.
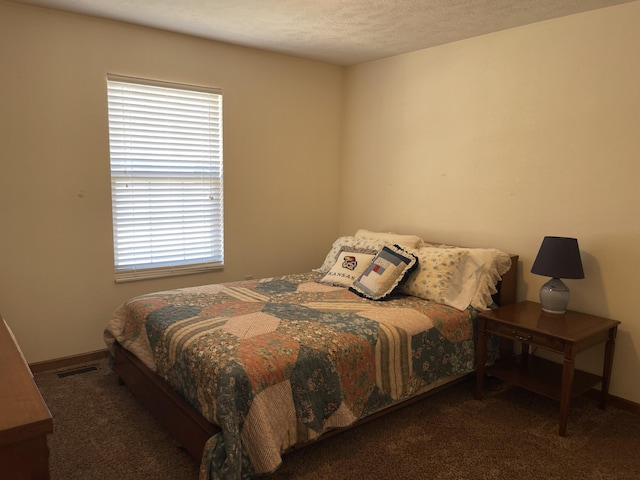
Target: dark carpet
101	432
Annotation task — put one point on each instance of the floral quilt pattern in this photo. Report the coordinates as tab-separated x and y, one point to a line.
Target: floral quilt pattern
279	361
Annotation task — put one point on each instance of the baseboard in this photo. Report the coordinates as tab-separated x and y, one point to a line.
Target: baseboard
71	361
614	401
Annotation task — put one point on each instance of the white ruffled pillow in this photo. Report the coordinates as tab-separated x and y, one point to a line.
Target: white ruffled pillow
492	264
408	241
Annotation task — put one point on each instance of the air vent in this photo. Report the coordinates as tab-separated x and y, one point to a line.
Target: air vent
76	371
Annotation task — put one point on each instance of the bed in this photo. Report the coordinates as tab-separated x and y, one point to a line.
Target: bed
242	372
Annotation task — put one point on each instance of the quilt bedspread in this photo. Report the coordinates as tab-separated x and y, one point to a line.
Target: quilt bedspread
279	361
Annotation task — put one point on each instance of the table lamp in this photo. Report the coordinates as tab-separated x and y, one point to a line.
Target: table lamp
559	257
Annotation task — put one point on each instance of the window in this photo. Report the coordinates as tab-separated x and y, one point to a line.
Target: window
166	178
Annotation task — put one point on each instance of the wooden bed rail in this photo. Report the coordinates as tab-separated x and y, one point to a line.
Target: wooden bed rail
185	423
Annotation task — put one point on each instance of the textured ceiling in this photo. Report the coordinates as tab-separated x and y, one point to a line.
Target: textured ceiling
342	32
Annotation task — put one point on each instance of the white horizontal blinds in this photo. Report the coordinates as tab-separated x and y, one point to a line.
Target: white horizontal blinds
166	177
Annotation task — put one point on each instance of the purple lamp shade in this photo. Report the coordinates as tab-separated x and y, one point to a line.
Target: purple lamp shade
558	257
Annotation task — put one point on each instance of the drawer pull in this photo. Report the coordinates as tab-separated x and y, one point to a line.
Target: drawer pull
520	337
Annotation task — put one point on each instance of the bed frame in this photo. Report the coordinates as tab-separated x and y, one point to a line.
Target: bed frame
191	430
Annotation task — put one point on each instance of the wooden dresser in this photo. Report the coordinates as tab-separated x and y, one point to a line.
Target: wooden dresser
25	419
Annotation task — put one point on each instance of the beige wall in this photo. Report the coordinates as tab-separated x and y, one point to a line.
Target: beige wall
493	141
503	139
281	139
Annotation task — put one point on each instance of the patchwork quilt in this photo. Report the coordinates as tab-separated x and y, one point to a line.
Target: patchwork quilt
277	362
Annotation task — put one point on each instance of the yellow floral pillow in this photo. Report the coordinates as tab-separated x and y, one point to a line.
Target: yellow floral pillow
438	276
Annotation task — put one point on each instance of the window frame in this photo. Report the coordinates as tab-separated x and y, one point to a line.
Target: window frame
159	169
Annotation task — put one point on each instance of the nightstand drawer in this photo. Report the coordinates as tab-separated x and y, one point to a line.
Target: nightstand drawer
525	336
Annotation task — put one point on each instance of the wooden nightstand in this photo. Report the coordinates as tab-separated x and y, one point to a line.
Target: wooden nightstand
566	334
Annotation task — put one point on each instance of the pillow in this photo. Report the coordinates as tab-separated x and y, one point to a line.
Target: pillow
354	244
409	241
494	263
349	266
384	273
474	282
461	296
438	277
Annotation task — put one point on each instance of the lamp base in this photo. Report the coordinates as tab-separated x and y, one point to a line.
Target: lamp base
554	297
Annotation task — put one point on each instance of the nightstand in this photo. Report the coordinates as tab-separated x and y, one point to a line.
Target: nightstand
567	334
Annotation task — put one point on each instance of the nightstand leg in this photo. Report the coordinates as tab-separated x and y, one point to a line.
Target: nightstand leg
481	357
608	362
565	394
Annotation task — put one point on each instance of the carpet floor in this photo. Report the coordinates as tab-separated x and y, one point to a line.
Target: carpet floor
102	432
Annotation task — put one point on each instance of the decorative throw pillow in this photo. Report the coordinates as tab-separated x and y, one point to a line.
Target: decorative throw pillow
354	244
438	277
385	272
349	267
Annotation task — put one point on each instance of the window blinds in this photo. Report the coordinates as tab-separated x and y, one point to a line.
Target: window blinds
166	177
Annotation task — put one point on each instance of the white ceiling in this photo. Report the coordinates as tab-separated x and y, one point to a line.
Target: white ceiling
342	32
